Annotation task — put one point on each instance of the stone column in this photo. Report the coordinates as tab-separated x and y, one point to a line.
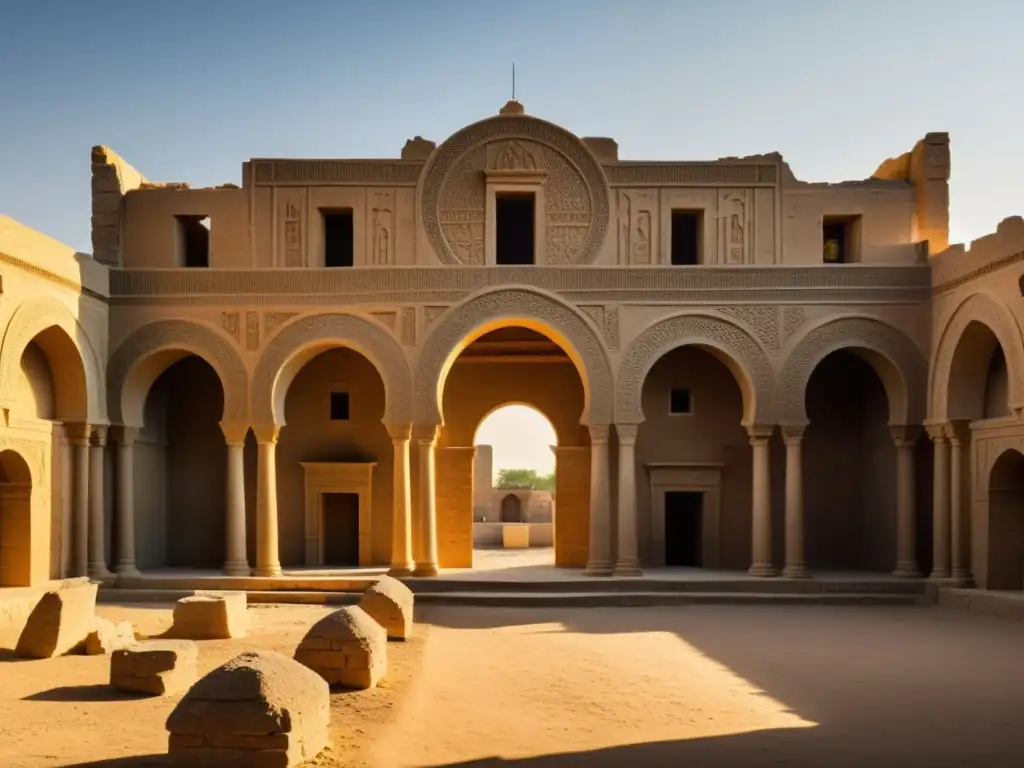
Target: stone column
80	502
905	437
67	515
236	556
959	446
426	555
628	563
599	561
761	524
796	562
97	507
268	561
125	501
402	563
940	503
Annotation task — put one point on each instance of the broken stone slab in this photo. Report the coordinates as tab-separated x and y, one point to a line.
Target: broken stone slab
159	667
390	603
210	616
61	620
347	648
259	709
107	637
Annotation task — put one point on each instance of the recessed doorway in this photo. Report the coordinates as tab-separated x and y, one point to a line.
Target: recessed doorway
683	529
341	529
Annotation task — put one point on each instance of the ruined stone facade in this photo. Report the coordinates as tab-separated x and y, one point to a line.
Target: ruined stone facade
735	362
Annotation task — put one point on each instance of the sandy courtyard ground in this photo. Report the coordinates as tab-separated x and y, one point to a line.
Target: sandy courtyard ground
687	686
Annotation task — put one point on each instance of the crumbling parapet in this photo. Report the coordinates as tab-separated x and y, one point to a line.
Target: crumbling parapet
927	167
112	178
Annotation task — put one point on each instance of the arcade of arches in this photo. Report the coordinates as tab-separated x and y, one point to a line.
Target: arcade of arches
343	477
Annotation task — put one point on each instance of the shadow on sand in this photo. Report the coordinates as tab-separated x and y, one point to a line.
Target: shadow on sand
99	692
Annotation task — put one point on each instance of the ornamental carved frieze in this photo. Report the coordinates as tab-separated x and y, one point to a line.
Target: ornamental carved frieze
453	197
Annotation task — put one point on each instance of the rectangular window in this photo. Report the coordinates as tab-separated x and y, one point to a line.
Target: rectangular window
193	241
339	406
687	229
840	238
339	238
514	238
680	402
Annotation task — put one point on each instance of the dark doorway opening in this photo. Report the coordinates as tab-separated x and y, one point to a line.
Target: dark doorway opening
339	240
341	529
686	238
683	511
514	241
511	509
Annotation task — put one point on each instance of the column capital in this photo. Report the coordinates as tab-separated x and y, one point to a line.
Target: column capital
626	433
905	435
265	433
793	434
958	431
399	432
599	433
234	432
99	435
425	434
937	431
77	432
759	433
124	436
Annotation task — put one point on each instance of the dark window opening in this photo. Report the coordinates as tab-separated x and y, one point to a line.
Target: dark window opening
339	406
341	529
679	401
194	241
514	238
686	226
339	239
683	529
839	235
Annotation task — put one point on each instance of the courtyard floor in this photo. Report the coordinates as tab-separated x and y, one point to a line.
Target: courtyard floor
696	686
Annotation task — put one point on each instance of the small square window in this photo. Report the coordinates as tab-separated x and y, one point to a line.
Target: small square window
680	402
339	406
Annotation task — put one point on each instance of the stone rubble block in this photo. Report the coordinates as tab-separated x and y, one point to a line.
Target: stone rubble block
61	620
259	710
390	603
211	616
107	637
159	667
347	648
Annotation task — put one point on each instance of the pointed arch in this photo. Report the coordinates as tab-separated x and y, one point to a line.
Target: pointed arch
29	320
894	356
514	306
149	351
302	339
727	341
990	312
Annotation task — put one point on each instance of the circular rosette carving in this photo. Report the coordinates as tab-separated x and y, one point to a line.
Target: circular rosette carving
453	197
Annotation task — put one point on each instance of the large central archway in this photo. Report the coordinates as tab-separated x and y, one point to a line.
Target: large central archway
506	358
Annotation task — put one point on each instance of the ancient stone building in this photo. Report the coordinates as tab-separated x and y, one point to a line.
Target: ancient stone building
291	371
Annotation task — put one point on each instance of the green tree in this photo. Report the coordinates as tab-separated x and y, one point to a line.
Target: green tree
524	478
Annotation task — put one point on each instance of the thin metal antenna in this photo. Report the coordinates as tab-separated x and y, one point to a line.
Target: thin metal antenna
513	81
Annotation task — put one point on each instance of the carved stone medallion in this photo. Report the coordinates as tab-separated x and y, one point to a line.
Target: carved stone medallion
453	197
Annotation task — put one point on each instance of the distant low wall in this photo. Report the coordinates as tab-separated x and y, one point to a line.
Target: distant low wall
488	535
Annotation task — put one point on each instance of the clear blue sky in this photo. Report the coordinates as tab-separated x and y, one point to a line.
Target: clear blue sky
187	90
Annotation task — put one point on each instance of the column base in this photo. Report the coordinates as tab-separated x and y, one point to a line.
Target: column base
628	568
425	570
940	575
796	571
765	570
598	569
267	571
907	571
963	577
128	570
99	572
238	568
401	571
